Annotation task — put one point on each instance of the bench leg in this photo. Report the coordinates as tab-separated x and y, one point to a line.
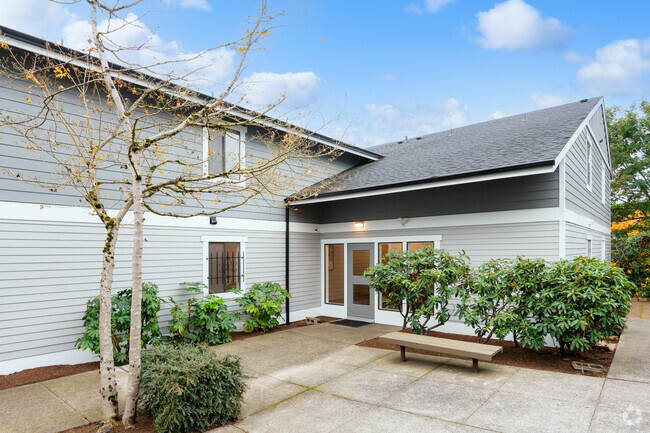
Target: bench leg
402	353
475	365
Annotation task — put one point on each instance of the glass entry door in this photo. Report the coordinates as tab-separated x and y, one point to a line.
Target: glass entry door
360	299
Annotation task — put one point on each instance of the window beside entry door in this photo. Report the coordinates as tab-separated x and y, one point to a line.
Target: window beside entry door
414	246
334	274
224	266
385	248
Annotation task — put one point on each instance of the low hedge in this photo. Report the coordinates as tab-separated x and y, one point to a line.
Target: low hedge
189	388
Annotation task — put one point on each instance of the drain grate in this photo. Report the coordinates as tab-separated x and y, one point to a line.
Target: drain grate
351	323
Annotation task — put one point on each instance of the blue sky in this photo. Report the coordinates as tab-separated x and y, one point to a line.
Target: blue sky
372	72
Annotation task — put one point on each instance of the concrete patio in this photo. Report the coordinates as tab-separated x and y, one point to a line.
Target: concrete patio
315	379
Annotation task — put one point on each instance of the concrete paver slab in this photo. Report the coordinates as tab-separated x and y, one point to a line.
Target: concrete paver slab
625	395
459	371
384	420
559	386
356	355
438	399
416	365
508	412
81	391
229	428
264	391
35	409
312	373
630	419
366	385
311	411
632	354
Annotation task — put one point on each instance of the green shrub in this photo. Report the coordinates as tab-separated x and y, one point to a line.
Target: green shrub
420	284
121	322
632	254
490	302
189	388
204	320
583	301
263	305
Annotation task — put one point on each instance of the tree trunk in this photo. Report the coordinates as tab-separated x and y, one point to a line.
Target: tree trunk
135	345
107	382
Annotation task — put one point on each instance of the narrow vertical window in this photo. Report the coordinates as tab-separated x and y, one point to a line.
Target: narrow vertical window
603	187
589	252
334	274
216	152
385	248
588	165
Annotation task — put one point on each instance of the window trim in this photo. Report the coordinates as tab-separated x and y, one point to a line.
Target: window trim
603	184
205	140
241	240
589	167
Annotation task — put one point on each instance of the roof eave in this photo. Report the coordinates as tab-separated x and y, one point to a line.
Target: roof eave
540	167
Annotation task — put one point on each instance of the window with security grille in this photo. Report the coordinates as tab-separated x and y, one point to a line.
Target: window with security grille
224	266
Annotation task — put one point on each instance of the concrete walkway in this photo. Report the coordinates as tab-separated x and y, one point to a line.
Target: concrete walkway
315	379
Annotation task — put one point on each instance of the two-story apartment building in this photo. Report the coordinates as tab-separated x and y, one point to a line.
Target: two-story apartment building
534	184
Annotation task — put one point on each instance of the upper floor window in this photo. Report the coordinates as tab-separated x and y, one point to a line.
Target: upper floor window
222	151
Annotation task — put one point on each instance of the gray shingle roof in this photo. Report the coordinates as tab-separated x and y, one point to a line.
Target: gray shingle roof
519	141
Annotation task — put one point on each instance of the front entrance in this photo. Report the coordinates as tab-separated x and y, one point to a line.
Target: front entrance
359	296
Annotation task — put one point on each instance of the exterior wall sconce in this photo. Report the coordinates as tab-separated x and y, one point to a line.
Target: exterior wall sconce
213	220
359	225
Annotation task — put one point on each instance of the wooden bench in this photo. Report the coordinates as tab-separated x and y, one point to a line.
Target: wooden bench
475	351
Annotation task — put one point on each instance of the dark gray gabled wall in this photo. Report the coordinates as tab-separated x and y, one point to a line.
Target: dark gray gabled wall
530	192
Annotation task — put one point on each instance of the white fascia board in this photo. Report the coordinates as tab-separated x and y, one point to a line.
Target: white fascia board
435	184
74	214
577	132
586	222
61	57
470	219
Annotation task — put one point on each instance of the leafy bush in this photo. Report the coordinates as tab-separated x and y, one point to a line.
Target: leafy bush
583	301
420	284
489	305
263	305
121	322
189	388
205	320
632	254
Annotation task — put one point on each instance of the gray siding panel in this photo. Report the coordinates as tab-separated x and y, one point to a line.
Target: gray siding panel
576	242
530	192
484	242
48	271
28	163
579	198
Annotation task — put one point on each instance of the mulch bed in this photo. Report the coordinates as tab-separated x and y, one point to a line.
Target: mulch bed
546	358
40	374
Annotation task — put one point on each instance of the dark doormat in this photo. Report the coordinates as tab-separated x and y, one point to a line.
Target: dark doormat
351	323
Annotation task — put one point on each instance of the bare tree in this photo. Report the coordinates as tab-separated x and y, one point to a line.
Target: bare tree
129	137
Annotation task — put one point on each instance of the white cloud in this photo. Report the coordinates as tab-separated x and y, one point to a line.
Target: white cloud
138	44
498	114
387	77
41	18
196	4
545	101
620	67
267	88
384	123
429	6
515	24
572	57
